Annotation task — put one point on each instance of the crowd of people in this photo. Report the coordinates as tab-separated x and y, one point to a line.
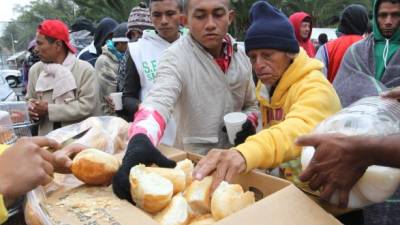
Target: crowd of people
180	72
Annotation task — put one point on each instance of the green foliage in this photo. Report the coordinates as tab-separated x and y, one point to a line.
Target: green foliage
98	9
23	29
324	12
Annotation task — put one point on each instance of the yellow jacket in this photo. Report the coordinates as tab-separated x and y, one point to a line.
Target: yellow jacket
301	100
3	209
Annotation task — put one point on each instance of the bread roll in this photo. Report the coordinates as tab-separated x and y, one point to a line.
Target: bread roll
198	196
94	167
203	220
187	167
228	199
177	213
150	191
177	177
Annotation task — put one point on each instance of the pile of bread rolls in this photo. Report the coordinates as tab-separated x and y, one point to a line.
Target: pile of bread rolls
172	198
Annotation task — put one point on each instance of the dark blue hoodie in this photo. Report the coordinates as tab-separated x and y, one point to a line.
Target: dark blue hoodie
103	31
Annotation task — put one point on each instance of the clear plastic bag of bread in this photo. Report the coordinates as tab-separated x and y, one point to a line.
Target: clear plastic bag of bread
107	133
370	116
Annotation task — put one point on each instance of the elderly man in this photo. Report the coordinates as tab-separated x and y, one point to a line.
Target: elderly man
61	88
371	65
293	94
200	78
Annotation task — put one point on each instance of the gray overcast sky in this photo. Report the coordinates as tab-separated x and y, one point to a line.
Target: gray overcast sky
6	9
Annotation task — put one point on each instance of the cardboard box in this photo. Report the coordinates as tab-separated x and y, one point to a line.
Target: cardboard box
280	203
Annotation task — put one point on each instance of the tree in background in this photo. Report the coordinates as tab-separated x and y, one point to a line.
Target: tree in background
95	10
325	13
23	29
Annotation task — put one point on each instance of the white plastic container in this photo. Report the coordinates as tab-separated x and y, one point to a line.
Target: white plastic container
117	100
234	122
369	116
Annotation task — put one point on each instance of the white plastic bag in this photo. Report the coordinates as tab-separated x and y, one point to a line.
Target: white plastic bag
369	116
107	133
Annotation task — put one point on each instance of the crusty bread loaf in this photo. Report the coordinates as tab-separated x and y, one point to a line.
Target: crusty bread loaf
150	191
228	199
177	177
94	167
187	167
177	213
203	220
198	196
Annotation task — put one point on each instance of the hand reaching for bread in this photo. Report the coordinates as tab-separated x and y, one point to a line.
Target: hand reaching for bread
63	158
26	165
226	164
140	151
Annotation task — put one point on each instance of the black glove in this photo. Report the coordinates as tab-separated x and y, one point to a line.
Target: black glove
140	151
247	130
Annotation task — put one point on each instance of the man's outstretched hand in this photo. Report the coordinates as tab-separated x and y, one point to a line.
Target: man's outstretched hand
140	151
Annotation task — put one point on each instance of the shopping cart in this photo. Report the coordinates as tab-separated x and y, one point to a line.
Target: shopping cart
20	121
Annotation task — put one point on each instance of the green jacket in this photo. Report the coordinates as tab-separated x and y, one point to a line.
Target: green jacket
384	48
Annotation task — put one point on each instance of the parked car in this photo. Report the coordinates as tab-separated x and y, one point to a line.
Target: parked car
13	77
6	93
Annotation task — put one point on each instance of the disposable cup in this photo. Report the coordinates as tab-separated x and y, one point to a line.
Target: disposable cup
233	123
117	100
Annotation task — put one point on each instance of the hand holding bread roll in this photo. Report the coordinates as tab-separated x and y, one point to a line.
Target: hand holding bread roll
228	199
150	191
177	213
94	167
198	196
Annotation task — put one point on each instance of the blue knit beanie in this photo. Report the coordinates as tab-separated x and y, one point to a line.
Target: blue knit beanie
269	29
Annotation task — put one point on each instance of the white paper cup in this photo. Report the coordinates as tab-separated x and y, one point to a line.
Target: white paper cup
233	122
117	100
